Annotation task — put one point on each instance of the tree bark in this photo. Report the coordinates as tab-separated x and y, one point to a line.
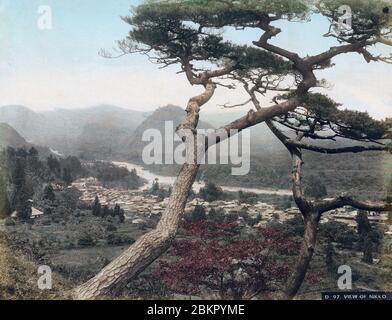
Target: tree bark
307	249
148	248
153	244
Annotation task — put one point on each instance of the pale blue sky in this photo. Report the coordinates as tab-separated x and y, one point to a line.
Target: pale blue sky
45	69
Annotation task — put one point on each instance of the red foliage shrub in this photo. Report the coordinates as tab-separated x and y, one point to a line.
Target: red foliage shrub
214	259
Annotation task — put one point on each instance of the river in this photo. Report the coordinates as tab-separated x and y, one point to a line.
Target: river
169	180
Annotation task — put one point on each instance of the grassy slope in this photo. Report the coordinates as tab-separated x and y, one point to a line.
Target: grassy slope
18	276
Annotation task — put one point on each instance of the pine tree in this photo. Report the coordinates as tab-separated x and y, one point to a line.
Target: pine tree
22	193
106	211
5	207
96	208
33	152
198	214
54	165
155	186
191	35
368	250
364	226
67	177
315	188
117	210
211	192
365	233
49	193
329	256
122	216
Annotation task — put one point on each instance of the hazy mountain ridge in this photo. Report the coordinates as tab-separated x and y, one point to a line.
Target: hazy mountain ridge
68	130
157	121
9	137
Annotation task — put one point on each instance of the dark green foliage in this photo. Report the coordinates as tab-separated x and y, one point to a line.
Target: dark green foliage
364	226
184	31
295	226
265	171
161	193
86	240
99	211
329	257
369	236
67	169
49	193
113	176
118	212
33	152
231	217
247	197
155	186
198	214
105	211
54	165
118	240
249	220
347	123
217	215
181	32
69	199
22	192
368	17
368	250
340	233
211	192
5	206
358	124
315	188
73	164
26	179
218	14
67	177
96	207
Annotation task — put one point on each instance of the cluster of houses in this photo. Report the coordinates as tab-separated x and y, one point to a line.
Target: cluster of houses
142	206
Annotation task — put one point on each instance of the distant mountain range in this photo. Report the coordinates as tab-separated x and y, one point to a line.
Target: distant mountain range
111	133
107	131
9	137
83	132
100	132
157	120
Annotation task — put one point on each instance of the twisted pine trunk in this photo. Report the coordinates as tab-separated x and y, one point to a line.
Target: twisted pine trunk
148	248
153	244
307	249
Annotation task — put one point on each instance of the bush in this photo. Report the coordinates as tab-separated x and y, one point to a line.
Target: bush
340	233
198	214
86	240
9	222
247	197
211	192
223	263
315	188
118	240
216	215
